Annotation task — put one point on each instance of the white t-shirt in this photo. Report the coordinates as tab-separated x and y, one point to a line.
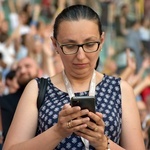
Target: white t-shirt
14	23
144	34
8	54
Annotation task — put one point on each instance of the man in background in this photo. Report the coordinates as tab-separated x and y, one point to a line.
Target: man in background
27	70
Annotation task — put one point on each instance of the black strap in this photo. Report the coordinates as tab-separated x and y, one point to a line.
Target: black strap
42	90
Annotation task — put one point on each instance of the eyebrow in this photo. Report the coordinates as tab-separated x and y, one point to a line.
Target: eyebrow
74	41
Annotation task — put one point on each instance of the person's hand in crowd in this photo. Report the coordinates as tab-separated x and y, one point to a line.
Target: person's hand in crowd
131	63
48	58
146	63
48	51
142	85
139	76
111	52
33	30
130	68
2	17
36	12
47	31
70	120
47	46
37	8
136	77
95	131
147	80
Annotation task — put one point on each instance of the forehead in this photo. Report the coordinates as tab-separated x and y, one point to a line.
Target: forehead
26	61
75	29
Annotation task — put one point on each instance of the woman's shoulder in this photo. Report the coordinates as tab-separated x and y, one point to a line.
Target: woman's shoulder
125	85
40	79
110	78
32	84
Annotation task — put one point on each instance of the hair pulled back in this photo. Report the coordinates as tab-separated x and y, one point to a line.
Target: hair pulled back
75	13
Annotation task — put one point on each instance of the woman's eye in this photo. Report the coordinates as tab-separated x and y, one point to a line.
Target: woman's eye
89	44
70	46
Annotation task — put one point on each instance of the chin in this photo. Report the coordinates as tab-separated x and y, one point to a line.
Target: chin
81	72
24	82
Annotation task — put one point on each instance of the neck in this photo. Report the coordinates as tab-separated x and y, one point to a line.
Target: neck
79	84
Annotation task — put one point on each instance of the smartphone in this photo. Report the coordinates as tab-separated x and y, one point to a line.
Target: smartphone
85	102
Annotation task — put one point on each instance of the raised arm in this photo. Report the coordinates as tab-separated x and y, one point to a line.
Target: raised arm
2	15
139	76
142	85
36	13
12	7
130	68
48	58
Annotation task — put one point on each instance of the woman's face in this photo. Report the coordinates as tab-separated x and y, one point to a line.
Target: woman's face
78	32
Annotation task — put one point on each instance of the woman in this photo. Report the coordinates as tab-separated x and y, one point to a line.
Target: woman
78	38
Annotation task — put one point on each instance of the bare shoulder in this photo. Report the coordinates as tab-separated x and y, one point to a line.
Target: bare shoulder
32	85
127	93
126	87
30	92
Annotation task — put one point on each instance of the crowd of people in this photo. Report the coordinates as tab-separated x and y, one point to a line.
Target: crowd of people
29	41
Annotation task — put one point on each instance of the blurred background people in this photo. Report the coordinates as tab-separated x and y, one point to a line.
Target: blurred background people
27	69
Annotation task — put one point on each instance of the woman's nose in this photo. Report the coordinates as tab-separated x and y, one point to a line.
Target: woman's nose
80	53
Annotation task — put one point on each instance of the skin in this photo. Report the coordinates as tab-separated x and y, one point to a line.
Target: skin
81	62
12	85
27	70
78	68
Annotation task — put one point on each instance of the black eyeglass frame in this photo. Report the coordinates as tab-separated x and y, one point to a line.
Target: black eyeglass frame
79	45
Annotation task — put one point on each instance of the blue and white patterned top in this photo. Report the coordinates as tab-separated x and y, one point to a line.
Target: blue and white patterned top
108	102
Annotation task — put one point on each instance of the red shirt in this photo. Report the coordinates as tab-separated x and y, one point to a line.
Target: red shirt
145	93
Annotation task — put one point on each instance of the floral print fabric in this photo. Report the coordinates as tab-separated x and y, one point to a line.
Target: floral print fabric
108	102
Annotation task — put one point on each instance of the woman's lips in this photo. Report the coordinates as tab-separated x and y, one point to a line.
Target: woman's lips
81	65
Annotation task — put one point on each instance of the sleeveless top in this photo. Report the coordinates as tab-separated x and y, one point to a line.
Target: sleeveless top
108	102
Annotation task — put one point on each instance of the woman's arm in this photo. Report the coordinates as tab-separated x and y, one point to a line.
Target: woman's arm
24	125
131	136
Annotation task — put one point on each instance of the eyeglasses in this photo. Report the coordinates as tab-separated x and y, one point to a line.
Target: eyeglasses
69	49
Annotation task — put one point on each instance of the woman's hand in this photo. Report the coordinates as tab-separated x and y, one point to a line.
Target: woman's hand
70	120
95	131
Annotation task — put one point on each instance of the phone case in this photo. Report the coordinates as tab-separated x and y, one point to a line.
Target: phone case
85	102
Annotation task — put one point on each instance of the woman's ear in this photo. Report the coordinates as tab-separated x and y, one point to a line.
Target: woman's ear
102	39
54	44
54	41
